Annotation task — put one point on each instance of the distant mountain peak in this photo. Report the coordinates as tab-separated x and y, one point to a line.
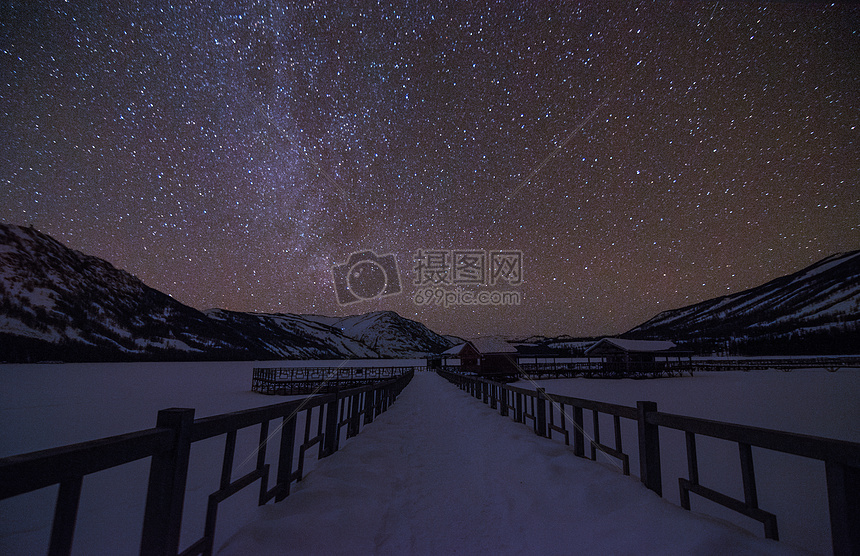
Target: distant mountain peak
391	334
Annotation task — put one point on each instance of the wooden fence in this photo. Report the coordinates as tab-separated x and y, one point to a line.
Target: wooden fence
832	364
539	368
841	459
169	446
320	380
600	369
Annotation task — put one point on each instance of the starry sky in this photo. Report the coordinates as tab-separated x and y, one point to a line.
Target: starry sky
638	156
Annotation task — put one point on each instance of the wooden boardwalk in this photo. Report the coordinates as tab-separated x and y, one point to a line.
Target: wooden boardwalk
441	474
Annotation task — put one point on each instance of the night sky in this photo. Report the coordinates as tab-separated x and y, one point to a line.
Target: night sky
639	158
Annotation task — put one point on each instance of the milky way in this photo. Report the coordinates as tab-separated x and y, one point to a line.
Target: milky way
639	156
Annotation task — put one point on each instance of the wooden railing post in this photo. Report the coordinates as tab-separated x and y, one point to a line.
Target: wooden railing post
330	440
540	412
285	456
518	409
354	422
369	405
383	399
649	448
65	515
578	433
168	472
380	400
843	494
503	401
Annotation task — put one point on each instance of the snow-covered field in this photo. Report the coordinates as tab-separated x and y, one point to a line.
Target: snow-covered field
814	402
42	406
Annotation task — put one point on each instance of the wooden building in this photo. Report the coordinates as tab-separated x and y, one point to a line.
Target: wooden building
489	357
463	356
619	357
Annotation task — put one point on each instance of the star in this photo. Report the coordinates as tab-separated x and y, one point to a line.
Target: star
641	158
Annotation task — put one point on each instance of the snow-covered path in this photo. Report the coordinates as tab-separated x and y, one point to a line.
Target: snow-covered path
441	473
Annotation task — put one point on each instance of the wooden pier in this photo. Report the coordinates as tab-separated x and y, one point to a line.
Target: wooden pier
290	381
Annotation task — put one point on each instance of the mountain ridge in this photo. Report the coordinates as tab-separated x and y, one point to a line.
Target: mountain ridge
64	301
57	303
819	304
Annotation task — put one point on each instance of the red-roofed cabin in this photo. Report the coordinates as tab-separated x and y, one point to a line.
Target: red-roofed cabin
488	357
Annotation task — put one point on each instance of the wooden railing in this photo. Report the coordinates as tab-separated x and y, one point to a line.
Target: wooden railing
598	369
841	459
291	381
832	364
169	445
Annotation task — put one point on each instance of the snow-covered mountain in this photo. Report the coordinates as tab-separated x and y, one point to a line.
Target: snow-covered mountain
562	346
57	303
387	333
814	309
455	340
291	336
60	304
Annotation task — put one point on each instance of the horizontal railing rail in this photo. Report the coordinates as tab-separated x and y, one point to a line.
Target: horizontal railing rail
589	369
28	472
169	445
538	368
841	458
832	364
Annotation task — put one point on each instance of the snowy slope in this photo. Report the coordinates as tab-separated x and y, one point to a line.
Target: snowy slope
321	319
60	304
391	335
291	336
559	346
820	299
57	303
